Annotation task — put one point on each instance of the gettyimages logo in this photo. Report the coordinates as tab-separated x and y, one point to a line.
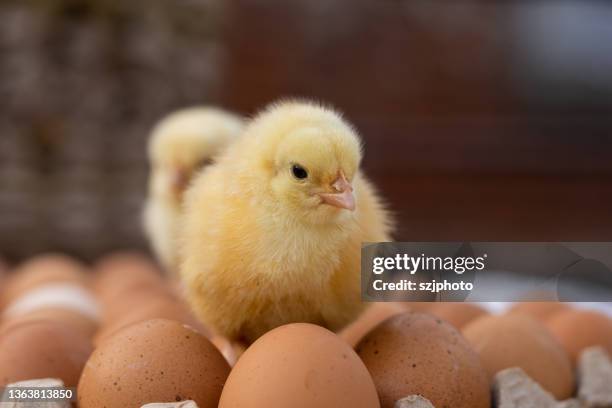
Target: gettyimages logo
486	272
411	264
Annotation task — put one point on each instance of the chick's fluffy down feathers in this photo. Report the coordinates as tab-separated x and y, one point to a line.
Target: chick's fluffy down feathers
179	145
259	249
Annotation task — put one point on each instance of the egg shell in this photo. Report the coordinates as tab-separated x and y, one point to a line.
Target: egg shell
580	329
69	317
372	316
119	274
42	270
138	298
540	311
154	361
417	306
299	365
457	314
417	353
42	349
517	340
155	308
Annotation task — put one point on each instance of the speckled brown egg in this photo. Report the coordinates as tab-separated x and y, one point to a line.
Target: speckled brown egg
42	349
153	361
579	329
518	340
120	274
152	308
43	270
299	366
457	314
417	353
372	316
71	317
541	311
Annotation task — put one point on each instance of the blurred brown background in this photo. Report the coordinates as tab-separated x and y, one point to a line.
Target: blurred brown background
482	120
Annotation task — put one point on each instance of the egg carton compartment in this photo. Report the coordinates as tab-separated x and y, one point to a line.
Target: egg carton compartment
595	376
414	401
182	404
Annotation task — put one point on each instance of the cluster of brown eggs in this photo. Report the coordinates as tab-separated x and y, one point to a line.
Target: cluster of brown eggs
122	335
543	339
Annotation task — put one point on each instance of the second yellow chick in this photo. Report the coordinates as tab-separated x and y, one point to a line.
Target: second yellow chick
272	232
181	144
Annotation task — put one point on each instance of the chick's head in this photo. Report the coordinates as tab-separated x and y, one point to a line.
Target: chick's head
183	143
312	157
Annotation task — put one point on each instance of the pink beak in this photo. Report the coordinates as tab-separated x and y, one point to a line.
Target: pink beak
344	197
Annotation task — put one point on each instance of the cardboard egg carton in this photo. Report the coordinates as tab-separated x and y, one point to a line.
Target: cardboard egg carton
182	404
595	375
515	389
414	401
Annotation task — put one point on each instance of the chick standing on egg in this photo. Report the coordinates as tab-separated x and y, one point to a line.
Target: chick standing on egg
181	144
272	232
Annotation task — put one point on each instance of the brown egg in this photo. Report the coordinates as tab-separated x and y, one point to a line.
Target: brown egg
579	329
417	353
136	300
42	349
119	275
541	311
153	361
299	366
456	313
417	306
373	315
155	308
517	340
67	316
43	270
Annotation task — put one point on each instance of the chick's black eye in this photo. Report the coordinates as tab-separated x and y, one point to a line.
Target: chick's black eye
299	172
204	163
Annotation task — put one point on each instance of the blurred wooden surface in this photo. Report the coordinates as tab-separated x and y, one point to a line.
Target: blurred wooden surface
463	136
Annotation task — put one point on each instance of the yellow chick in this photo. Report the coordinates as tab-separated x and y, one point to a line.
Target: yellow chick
180	145
272	232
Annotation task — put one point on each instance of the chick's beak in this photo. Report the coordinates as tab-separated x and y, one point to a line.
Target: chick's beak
343	198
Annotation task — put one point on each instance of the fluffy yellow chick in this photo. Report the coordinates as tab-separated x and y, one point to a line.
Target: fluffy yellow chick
180	144
272	232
